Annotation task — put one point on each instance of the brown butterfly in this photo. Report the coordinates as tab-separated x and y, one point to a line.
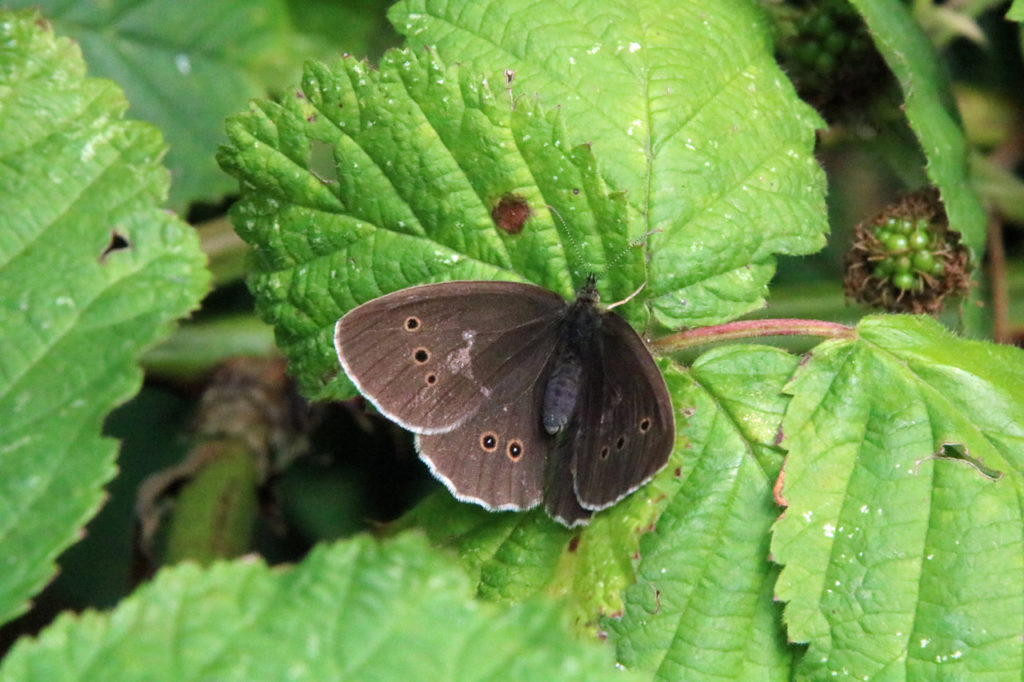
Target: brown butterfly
517	396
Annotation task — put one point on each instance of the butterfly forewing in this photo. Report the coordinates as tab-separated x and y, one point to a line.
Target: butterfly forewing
626	425
416	353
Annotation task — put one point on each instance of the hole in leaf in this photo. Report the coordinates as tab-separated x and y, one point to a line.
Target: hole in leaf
118	242
320	162
958	452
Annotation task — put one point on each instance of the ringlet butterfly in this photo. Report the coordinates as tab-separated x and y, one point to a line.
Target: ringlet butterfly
516	396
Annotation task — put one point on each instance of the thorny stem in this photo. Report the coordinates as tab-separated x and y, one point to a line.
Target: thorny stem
747	329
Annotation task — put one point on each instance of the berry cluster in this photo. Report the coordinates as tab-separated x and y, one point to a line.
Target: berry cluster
825	48
909	253
827	38
906	259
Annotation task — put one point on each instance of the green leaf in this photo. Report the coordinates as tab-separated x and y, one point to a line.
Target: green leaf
184	67
1016	11
903	559
931	112
715	492
509	555
369	180
418	157
326	28
688	113
77	182
512	556
356	610
702	606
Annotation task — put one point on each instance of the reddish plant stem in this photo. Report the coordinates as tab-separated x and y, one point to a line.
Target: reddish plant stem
997	277
748	329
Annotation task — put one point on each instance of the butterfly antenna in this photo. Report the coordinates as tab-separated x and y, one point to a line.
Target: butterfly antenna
567	234
639	241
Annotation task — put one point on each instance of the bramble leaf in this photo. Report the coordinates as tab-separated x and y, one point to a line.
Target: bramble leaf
91	272
369	181
687	112
702	606
355	610
901	545
184	67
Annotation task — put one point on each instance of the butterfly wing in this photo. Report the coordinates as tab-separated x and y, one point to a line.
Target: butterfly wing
626	427
560	500
429	357
497	458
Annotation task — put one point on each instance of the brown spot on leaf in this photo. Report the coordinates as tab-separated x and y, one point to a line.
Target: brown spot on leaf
511	213
777	489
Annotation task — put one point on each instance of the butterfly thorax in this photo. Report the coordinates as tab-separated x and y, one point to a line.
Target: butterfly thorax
565	378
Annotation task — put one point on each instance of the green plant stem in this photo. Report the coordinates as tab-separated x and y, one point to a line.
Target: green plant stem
217	509
226	251
747	329
196	348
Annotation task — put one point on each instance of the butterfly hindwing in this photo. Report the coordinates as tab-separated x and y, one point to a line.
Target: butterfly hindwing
497	458
627	426
560	500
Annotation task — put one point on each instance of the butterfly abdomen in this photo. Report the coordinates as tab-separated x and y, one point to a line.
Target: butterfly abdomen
562	392
565	380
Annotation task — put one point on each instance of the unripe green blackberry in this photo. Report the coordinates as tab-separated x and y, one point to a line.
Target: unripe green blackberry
903	252
824	47
907	259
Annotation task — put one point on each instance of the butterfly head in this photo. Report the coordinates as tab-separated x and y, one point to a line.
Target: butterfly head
588	292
